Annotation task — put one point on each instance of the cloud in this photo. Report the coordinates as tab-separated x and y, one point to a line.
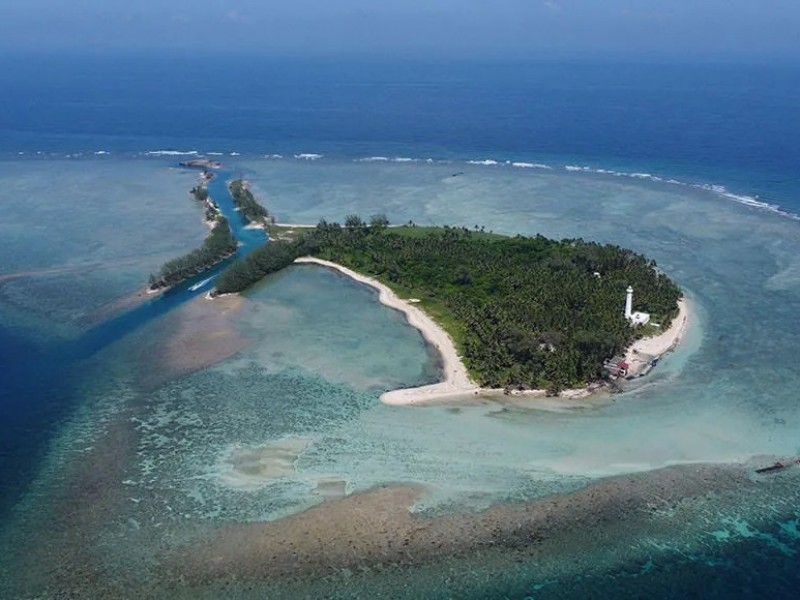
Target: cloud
552	5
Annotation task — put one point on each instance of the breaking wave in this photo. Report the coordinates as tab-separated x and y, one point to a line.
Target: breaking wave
396	159
405	159
720	190
752	201
526	165
171	153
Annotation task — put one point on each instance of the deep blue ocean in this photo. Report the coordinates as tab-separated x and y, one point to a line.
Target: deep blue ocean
711	123
730	125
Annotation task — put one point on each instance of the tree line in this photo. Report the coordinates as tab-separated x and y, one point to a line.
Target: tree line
219	244
200	192
245	201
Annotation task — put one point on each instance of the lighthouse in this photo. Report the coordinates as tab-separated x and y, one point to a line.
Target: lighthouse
629	303
634	318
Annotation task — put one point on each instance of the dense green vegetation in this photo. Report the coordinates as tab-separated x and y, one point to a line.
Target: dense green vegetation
256	265
246	203
524	312
218	245
200	192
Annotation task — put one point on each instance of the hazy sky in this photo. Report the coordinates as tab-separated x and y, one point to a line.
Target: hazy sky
704	29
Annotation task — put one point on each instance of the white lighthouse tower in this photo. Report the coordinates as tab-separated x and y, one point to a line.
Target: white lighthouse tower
629	304
634	318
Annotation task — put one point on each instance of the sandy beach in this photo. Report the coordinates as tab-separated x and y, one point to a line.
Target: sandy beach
642	352
457	384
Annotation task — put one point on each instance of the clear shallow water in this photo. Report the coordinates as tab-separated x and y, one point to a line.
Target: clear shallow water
111	221
149	452
728	393
82	286
316	368
311	374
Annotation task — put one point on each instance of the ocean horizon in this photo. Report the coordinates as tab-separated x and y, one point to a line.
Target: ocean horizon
123	423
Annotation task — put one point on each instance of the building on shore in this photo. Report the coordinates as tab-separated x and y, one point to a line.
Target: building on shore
617	367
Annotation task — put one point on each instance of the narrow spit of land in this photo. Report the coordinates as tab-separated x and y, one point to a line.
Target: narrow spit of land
508	315
219	245
243	198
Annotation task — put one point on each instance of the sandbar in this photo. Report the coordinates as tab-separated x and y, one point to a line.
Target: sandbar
457	384
250	468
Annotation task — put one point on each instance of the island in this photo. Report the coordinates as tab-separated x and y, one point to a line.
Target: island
220	244
246	203
204	163
200	193
507	315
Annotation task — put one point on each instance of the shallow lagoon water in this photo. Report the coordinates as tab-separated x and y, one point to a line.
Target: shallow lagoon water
321	350
733	395
697	237
91	230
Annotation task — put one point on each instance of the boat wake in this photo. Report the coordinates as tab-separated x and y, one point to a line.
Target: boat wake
199	284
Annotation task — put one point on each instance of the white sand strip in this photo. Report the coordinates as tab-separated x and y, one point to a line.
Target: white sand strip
457	382
642	352
456	379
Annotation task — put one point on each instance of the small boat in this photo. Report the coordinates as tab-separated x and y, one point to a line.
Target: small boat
199	284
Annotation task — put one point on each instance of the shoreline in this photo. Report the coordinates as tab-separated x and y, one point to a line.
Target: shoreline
641	354
458	384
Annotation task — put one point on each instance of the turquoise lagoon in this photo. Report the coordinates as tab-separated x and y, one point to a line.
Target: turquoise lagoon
98	225
294	410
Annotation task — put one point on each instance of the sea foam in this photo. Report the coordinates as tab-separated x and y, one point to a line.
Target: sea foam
527	165
752	201
171	153
720	190
394	159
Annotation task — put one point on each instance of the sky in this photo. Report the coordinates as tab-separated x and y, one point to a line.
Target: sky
518	29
